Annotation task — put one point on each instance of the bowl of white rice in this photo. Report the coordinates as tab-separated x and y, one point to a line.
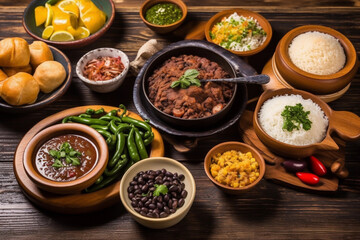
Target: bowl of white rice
240	31
297	124
317	59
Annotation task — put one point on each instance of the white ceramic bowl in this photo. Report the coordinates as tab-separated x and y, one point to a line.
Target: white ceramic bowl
108	85
158	163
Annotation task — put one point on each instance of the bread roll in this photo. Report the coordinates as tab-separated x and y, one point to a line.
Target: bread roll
39	53
10	71
14	52
49	75
19	89
3	75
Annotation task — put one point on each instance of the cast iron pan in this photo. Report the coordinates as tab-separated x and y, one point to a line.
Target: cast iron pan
204	49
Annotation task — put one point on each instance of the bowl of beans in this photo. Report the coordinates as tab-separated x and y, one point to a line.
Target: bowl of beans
158	192
103	70
234	167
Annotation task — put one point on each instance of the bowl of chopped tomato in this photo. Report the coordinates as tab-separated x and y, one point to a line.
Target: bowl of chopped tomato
103	70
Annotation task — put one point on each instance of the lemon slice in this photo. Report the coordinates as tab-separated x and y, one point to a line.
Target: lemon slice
48	31
69	6
82	32
49	15
61	36
40	15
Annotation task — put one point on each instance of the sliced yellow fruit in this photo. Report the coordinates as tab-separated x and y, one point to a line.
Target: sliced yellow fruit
61	20
48	31
49	15
69	6
61	36
40	15
94	20
79	33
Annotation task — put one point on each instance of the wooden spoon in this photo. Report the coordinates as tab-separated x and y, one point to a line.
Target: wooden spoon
255	79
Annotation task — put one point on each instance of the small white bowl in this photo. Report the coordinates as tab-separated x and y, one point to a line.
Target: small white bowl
157	163
107	85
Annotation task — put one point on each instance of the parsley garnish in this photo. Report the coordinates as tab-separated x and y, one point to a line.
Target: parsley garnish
160	189
294	117
189	78
66	151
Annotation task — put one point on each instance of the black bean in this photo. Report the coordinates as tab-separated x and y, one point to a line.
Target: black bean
144	199
131	195
158	177
174	194
163	171
175	182
135	178
152	189
156	211
150	215
179	190
169	174
167	184
145	188
175	204
183	186
170	203
137	209
166	197
138	191
172	210
176	175
158	172
160	199
173	188
143	213
152	206
147	203
130	189
155	199
159	181
140	173
181	202
184	193
141	180
145	177
133	183
159	205
163	214
151	184
134	204
181	177
156	215
140	204
144	209
167	209
169	179
136	187
152	172
151	176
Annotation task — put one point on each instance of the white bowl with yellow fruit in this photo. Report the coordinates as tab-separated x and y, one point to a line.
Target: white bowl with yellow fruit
68	23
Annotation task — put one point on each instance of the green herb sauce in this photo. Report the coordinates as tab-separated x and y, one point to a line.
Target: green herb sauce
163	14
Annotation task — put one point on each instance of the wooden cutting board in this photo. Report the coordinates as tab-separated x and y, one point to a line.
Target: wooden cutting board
274	171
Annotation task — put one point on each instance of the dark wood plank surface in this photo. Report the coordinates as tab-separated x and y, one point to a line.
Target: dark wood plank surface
270	211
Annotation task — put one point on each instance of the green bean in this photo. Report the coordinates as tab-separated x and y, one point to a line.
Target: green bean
140	124
122	127
131	146
110	118
105	128
86	121
90	111
99	111
119	165
148	141
120	145
84	115
113	126
112	113
140	144
99	180
122	106
110	139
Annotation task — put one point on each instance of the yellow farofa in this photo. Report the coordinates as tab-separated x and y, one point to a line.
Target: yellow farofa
234	169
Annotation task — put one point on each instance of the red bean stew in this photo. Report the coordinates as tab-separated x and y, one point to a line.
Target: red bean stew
67	172
193	102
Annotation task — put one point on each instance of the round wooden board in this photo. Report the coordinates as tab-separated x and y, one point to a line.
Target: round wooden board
77	203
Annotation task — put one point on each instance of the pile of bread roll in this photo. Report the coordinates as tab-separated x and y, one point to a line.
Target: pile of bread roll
18	61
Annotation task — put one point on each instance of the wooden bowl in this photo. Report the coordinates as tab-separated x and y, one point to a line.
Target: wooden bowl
345	124
317	84
44	99
107	6
163	28
158	163
107	85
226	13
237	146
65	187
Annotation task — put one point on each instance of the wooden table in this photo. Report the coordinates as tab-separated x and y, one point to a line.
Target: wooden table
270	211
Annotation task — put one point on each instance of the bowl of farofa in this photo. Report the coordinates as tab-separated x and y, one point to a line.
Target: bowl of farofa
299	145
244	169
317	59
258	29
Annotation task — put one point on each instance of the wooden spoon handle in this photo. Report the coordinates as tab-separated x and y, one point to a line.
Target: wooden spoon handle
346	125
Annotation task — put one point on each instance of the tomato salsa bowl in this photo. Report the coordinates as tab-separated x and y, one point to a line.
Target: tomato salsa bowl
66	158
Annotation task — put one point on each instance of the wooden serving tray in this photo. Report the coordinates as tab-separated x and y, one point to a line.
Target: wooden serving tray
274	170
76	203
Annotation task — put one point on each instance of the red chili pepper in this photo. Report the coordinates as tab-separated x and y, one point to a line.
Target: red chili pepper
317	167
308	178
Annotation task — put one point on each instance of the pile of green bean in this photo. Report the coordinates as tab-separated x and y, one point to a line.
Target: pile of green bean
126	138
